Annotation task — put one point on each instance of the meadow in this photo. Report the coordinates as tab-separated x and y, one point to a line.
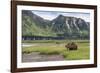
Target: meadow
57	47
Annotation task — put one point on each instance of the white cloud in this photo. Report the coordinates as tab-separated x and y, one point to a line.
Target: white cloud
49	15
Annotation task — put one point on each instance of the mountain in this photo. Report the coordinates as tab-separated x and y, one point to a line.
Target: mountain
61	26
34	25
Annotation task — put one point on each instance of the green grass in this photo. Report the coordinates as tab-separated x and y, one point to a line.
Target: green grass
49	47
55	41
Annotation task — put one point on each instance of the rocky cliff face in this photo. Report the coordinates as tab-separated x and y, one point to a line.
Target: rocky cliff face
64	23
34	25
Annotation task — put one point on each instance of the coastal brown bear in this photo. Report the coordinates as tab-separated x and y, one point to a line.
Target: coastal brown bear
71	46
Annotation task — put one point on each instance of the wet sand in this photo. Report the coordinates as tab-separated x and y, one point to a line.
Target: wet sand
37	57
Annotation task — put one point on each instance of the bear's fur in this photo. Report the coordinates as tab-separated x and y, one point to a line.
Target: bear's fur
71	46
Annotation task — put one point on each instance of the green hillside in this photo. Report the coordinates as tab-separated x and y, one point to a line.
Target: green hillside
30	28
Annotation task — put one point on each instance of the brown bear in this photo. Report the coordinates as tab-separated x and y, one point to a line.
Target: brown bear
71	46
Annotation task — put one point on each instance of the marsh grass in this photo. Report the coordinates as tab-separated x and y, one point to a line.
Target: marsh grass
53	47
54	41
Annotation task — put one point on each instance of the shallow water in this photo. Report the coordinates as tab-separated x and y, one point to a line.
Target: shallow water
37	57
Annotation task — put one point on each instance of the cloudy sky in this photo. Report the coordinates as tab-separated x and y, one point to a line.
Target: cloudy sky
49	15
